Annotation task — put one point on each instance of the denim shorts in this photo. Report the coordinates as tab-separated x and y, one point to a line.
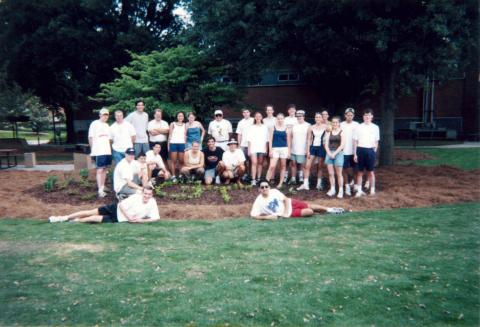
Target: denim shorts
337	162
177	147
298	158
103	161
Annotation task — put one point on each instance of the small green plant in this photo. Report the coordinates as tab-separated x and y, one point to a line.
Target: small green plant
68	180
83	174
50	184
224	193
197	190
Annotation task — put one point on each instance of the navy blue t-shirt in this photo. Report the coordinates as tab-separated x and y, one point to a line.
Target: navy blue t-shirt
212	157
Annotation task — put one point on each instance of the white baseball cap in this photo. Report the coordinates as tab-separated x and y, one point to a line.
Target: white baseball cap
218	112
104	111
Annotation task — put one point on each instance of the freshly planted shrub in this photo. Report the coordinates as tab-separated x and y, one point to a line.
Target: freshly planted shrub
50	184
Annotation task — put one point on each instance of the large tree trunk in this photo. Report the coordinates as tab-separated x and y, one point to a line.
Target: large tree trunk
69	117
387	107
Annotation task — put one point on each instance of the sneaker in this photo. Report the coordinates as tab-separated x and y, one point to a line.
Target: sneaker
359	193
340	194
372	192
102	194
217	180
348	190
285	179
303	187
320	185
367	185
336	211
254	182
174	179
293	181
57	219
331	192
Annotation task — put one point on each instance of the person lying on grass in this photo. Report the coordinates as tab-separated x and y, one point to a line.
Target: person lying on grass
271	204
138	208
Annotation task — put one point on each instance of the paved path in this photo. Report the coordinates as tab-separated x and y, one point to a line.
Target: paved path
68	167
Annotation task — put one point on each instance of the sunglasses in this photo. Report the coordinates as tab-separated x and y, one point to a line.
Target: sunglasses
264	186
218	115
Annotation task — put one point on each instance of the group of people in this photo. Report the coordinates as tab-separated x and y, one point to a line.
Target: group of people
145	151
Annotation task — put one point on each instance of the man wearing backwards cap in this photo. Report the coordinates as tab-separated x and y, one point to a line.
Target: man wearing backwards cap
271	204
220	129
127	175
348	128
99	141
234	161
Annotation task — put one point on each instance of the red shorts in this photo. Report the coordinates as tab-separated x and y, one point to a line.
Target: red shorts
297	207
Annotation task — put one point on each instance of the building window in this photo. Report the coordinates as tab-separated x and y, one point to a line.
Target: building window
288	77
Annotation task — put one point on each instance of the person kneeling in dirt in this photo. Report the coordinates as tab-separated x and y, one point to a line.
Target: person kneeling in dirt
193	163
156	166
234	161
138	208
130	175
271	204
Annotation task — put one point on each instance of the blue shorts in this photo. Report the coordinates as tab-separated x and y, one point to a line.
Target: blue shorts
141	147
210	173
366	159
177	147
317	151
348	161
298	158
337	162
103	161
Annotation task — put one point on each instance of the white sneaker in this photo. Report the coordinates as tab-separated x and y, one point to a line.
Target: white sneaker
367	185
359	193
57	219
303	187
254	182
217	180
348	190
293	181
340	194
102	194
320	186
372	192
331	192
336	211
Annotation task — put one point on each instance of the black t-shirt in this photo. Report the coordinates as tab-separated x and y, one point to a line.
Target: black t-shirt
212	157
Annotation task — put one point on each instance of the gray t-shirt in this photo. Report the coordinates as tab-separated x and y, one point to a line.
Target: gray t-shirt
140	123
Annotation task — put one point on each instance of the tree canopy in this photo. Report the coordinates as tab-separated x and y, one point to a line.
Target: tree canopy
176	79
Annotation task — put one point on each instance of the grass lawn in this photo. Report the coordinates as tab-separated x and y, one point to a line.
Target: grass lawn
464	158
30	136
386	268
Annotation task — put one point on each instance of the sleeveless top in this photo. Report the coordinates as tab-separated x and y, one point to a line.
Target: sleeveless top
334	141
178	134
194	134
279	139
193	160
318	136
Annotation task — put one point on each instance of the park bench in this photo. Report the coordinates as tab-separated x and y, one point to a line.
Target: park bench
11	149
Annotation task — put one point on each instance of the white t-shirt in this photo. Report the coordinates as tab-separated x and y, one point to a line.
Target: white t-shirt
299	138
100	134
154	124
269	122
140	123
348	130
220	129
121	135
258	138
273	204
134	206
233	159
366	135
242	129
124	171
290	122
156	158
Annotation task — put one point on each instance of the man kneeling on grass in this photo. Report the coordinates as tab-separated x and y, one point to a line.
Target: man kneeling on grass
271	204
138	208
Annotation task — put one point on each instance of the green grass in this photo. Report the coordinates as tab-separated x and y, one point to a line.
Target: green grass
30	136
387	268
463	158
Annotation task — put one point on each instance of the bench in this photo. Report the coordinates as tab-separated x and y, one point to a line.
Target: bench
7	155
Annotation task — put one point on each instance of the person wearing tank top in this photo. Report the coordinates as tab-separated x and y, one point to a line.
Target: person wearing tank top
316	151
194	163
279	148
334	144
176	143
194	131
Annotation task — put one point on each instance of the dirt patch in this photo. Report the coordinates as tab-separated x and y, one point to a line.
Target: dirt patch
57	248
397	187
406	155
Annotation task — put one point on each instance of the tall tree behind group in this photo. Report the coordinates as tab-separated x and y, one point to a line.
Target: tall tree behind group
62	50
347	47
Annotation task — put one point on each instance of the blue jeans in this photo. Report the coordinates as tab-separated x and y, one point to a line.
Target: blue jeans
141	147
117	156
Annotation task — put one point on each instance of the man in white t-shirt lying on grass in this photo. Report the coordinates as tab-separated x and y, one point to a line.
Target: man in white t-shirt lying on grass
272	204
138	208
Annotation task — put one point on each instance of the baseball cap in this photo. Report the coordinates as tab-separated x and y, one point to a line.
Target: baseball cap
350	110
300	113
218	112
103	111
130	151
232	141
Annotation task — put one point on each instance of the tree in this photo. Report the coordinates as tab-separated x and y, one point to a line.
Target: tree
345	48
39	116
63	49
176	79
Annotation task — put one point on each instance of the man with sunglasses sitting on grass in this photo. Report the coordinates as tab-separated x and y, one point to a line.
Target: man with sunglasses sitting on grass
271	204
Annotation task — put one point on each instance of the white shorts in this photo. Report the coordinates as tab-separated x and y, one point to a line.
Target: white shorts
281	153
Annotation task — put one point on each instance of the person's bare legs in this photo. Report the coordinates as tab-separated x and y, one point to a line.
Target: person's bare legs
253	166
307	212
101	177
318	208
271	169
320	171
180	158
173	162
371	178
331	178
228	175
82	214
283	169
260	167
240	172
339	170
293	166
89	219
